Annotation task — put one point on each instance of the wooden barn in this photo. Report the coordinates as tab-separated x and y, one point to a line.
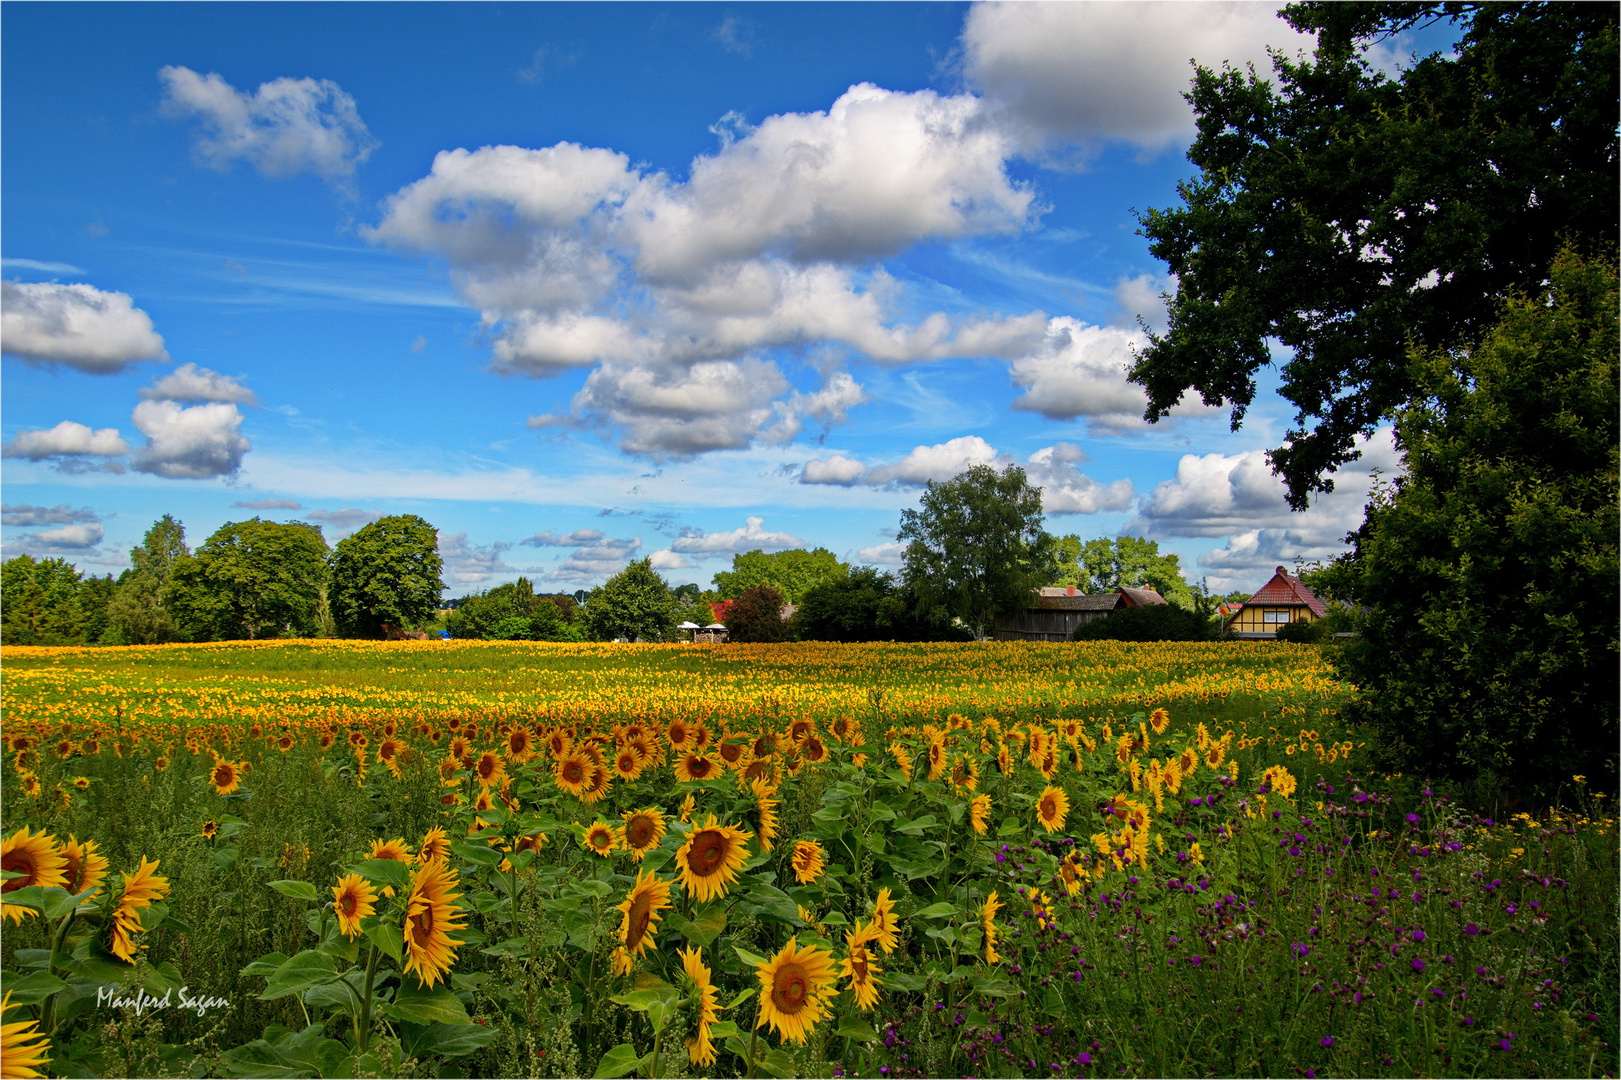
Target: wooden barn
1284	599
1055	613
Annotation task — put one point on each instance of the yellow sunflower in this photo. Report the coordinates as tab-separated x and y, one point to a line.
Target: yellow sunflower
573	772
226	776
140	889
885	924
38	858
965	773
858	965
903	760
643	829
808	860
688	806
1052	808
767	807
793	988
430	951
1004	760
628	763
979	813
435	847
490	769
353	899
520	745
597	785
1214	755
987	918
692	766
600	838
22	1046
700	1050
710	859
86	867
641	908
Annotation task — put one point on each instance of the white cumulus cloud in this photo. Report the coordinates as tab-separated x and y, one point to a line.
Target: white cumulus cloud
1236	496
285	127
73	537
1088	73
77	325
750	536
838	469
67	439
195	443
666	559
892	553
670	290
577	538
190	383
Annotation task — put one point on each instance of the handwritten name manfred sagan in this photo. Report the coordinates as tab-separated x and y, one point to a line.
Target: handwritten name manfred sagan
141	1001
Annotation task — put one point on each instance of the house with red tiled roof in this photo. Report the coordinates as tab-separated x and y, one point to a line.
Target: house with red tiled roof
1282	600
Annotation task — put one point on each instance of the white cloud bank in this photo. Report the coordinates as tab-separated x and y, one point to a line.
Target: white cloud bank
196	443
1088	73
1064	488
747	538
670	290
285	127
1237	496
79	326
191	383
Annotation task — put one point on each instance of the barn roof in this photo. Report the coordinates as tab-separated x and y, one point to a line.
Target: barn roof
1141	597
1061	600
1286	591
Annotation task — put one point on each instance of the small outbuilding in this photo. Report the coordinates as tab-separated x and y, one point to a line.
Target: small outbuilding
1284	599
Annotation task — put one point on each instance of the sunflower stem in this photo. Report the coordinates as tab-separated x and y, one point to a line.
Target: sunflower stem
48	1013
653	1064
754	1037
364	1038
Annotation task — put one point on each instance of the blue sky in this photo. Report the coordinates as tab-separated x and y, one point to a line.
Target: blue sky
584	283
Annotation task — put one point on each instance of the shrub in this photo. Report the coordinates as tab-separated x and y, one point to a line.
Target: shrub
1158	622
1302	632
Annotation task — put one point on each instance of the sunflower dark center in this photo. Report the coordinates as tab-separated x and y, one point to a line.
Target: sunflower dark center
698	767
573	771
639	831
18	862
639	917
789	989
708	852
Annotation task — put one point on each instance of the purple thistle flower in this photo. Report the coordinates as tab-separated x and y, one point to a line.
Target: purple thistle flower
1418	965
1327	1040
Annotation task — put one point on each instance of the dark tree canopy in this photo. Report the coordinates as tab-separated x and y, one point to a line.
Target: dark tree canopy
252	579
975	546
1490	569
42	602
388	572
1347	215
756	616
866	605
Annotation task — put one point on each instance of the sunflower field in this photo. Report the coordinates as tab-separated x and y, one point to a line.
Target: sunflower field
346	859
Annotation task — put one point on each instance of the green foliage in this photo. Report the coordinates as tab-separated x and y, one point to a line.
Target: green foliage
514	612
1490	568
1345	214
43	602
866	605
792	573
251	579
1155	622
975	546
388	572
757	616
139	611
1104	565
1303	631
634	604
